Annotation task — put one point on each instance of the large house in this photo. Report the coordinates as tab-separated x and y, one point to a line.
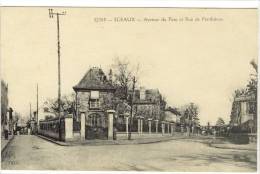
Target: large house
147	103
96	93
244	112
172	115
94	96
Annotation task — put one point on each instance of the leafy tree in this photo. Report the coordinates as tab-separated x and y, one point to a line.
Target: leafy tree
67	105
252	84
220	122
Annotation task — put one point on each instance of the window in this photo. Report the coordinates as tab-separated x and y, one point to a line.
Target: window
251	107
94	103
94	100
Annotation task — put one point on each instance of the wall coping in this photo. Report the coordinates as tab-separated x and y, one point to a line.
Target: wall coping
57	118
126	114
110	111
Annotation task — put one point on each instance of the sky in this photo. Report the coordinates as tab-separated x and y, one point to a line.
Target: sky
200	61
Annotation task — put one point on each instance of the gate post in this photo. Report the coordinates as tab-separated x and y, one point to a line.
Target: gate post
126	123
163	127
68	127
171	128
138	125
141	125
82	126
110	114
156	125
150	125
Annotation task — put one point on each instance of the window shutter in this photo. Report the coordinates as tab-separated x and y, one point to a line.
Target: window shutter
94	95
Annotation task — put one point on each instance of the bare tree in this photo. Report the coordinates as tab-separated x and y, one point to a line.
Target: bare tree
191	113
126	77
124	73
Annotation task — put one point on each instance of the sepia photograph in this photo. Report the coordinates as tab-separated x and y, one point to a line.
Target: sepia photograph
129	89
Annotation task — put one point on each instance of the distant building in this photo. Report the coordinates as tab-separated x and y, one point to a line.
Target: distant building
147	103
172	115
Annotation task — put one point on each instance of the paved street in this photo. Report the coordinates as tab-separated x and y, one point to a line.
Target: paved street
32	153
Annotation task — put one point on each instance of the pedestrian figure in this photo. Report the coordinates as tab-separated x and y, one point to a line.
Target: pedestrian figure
6	131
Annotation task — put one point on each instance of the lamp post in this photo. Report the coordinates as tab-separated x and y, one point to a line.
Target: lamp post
51	14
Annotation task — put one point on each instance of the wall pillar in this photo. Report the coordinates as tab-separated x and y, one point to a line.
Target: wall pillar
163	127
156	126
82	126
150	125
168	128
141	124
68	127
188	131
126	115
171	128
110	115
138	125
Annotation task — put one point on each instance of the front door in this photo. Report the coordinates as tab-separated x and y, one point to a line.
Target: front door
96	126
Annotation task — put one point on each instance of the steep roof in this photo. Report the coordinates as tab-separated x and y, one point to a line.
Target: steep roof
173	110
94	79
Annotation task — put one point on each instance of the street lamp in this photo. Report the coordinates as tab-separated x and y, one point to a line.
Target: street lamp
51	14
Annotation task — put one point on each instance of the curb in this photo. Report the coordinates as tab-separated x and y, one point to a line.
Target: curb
3	150
219	147
53	141
122	142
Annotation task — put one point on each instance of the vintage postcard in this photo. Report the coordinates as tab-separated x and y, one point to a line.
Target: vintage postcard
129	89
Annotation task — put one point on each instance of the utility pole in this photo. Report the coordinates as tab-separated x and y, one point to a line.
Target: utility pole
131	112
37	106
30	112
51	14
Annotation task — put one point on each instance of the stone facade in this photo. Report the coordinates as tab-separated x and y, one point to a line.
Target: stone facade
94	92
94	97
172	117
83	101
147	103
4	102
244	110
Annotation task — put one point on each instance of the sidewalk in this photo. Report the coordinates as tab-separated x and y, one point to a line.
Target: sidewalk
97	142
4	142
